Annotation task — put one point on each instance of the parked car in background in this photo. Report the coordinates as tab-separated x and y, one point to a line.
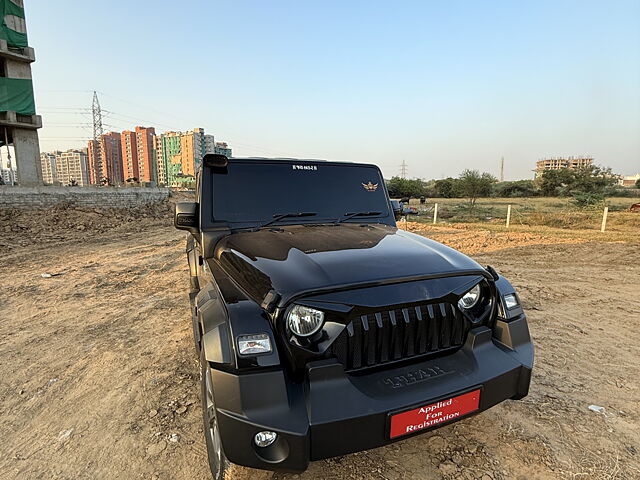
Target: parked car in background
409	210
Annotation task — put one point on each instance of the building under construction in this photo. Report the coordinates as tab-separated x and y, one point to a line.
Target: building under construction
558	163
18	119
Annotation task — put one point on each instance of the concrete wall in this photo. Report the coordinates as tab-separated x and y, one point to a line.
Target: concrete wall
28	197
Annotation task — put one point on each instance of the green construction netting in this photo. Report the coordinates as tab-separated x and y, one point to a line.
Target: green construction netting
16	95
12	28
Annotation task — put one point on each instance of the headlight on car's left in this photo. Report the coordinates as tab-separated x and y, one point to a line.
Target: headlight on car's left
471	298
304	321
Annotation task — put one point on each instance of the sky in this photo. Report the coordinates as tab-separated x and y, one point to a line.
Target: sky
440	85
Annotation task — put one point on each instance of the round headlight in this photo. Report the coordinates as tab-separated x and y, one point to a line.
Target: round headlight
304	321
470	299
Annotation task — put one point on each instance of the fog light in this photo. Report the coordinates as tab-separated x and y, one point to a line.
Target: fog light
264	439
254	344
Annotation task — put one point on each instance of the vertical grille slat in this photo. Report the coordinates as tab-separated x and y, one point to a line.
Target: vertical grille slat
395	334
421	333
394	338
432	336
408	335
445	327
382	352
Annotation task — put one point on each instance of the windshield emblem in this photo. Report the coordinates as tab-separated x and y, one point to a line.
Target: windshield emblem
370	187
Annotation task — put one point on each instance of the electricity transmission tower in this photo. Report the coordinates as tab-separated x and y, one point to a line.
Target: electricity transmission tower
502	169
403	169
97	117
95	169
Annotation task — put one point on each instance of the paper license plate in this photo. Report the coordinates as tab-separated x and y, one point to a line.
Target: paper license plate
434	414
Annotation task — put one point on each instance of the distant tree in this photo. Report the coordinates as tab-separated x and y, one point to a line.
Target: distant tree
403	187
1	181
553	183
592	179
447	188
518	188
576	181
638	183
474	184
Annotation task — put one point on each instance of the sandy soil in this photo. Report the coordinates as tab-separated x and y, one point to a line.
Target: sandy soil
98	378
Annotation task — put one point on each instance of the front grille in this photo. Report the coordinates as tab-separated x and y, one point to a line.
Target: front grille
392	335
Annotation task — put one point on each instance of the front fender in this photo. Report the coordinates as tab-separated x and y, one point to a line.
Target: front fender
221	323
511	331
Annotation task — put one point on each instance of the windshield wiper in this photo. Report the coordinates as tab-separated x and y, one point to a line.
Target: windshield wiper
280	216
357	214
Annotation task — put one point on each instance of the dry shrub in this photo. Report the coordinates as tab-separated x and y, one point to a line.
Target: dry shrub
563	219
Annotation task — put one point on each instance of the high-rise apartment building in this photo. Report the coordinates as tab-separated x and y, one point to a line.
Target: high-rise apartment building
221	148
65	168
9	176
171	158
48	166
144	143
106	168
112	157
71	168
159	160
129	155
168	158
557	163
95	167
179	154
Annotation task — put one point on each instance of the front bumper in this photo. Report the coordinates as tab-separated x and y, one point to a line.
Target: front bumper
333	413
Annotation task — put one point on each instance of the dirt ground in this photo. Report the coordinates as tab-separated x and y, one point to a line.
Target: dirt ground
98	378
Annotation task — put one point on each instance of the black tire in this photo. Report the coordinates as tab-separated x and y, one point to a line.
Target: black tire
194	283
218	462
195	325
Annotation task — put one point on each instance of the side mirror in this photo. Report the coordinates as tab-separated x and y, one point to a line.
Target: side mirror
186	216
215	160
397	209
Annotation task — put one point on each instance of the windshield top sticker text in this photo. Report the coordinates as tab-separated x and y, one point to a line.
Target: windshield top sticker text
304	167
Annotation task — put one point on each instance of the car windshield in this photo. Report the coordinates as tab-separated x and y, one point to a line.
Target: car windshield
255	192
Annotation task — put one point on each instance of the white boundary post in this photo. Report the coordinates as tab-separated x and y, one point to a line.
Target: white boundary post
508	215
435	213
604	219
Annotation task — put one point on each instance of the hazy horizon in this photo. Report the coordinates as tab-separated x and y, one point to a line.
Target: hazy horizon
442	86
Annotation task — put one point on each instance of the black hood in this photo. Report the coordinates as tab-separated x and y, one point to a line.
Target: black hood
296	259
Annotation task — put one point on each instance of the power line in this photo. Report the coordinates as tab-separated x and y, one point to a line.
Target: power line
110	113
119	117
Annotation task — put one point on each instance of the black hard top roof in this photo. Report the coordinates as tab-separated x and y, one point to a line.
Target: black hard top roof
299	160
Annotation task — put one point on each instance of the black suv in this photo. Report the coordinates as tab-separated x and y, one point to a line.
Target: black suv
322	328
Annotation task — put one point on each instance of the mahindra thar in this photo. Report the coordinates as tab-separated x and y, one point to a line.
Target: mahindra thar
324	329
